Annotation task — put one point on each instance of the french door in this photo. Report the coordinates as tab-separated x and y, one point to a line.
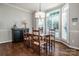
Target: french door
53	21
58	19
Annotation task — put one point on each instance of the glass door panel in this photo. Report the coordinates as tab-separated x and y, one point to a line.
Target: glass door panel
65	19
53	21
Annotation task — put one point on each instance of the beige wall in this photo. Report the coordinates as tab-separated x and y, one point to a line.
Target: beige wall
8	17
74	30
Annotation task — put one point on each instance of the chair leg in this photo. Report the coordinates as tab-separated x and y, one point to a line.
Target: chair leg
49	47
39	50
46	48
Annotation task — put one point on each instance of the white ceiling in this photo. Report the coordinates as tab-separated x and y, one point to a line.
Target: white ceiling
35	6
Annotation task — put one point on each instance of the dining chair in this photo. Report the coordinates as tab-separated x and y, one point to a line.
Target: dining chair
50	39
27	39
37	42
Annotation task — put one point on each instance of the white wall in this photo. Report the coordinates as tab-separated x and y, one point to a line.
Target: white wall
74	30
8	17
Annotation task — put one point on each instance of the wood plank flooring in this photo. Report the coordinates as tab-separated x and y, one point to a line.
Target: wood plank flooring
18	49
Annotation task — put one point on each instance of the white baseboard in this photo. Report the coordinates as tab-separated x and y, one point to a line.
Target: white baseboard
67	44
74	47
6	41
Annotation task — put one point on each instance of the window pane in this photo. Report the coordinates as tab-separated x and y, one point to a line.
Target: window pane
40	23
52	21
65	22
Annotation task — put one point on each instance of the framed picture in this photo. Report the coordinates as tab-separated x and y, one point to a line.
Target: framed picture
74	21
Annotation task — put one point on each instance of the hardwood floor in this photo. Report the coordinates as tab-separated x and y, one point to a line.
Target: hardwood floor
18	49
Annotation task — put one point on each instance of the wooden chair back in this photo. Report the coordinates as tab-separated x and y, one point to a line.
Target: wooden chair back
27	39
50	39
36	34
52	32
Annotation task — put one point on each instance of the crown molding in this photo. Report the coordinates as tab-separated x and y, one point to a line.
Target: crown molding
57	7
19	8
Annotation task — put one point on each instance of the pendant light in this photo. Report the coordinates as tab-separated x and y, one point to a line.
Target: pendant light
40	14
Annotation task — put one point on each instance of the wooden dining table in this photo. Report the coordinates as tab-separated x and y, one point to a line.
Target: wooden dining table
43	36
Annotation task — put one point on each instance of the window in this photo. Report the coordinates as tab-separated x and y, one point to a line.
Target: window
52	21
65	22
40	23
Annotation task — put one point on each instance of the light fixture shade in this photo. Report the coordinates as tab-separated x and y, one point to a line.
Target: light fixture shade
39	14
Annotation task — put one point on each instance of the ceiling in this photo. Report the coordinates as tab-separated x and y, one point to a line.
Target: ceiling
35	6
